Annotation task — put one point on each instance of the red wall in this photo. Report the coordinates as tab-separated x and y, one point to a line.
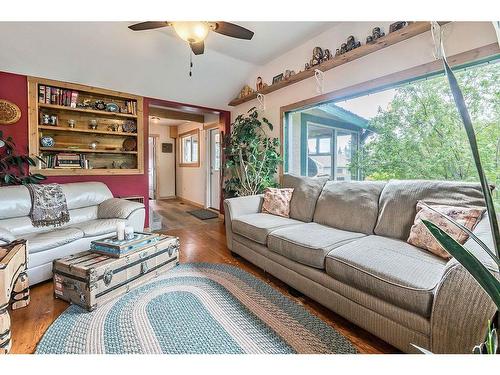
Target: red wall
14	88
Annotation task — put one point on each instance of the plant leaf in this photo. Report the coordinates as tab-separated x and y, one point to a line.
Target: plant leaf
487	281
469	129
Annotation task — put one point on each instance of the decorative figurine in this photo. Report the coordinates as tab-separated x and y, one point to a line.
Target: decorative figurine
245	91
376	33
71	123
93	124
397	26
85	104
327	55
317	56
343	48
307	66
100	105
352	44
93	145
337	52
289	73
259	85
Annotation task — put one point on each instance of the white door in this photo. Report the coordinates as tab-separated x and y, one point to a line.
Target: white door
215	165
152	168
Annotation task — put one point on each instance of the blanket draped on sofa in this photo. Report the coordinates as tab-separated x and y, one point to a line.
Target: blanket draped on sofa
48	205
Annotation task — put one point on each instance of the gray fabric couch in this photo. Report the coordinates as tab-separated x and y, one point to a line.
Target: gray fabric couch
344	246
93	212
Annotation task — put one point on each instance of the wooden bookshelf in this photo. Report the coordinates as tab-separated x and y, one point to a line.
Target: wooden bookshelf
108	157
413	29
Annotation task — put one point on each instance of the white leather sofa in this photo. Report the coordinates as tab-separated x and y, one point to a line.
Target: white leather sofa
94	214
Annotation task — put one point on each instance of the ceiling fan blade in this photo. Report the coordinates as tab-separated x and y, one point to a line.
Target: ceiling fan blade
197	48
233	30
148	25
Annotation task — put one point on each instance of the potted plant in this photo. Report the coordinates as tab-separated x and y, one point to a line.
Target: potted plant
14	169
251	157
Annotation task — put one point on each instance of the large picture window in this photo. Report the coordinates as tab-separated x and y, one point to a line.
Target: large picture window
410	130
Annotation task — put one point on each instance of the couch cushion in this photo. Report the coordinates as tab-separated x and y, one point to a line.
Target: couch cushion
308	243
98	227
398	201
85	194
306	191
53	238
257	227
392	270
351	206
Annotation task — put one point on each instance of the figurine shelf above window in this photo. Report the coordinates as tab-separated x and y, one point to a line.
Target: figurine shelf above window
399	35
83	130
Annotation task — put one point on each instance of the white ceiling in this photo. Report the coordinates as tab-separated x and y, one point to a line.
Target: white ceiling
167	121
151	63
270	40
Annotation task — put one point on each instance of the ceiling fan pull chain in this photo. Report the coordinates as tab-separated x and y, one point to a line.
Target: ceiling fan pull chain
190	64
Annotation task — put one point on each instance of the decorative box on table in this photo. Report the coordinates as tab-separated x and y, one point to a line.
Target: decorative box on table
116	248
90	279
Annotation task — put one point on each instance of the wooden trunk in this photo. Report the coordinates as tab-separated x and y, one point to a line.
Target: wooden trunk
14	287
89	279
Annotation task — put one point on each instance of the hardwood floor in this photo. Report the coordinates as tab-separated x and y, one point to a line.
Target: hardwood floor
201	241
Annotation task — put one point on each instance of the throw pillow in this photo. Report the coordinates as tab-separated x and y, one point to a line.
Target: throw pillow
277	201
421	237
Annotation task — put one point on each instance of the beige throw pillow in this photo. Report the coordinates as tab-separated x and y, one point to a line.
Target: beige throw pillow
421	237
277	201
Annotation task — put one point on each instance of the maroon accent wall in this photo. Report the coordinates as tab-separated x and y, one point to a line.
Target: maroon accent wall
14	88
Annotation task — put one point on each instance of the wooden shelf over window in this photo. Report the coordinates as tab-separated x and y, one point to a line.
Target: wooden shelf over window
101	161
413	29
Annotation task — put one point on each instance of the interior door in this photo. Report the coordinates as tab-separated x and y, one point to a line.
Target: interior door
215	165
152	168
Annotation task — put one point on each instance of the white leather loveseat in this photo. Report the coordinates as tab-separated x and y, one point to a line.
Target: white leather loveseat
94	214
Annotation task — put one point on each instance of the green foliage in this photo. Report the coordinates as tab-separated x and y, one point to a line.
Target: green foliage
251	158
14	169
490	346
421	136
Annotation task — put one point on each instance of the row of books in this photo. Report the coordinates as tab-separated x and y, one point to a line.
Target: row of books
58	96
131	107
65	161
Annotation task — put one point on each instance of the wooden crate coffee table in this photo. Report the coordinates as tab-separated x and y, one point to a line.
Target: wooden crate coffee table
90	279
14	288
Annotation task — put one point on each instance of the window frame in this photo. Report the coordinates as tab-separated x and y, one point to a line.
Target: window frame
479	56
182	136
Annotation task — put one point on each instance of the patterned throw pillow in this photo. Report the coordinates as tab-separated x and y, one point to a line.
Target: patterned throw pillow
421	237
277	201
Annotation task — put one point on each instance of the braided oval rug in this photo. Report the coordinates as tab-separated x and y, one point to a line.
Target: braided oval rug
195	308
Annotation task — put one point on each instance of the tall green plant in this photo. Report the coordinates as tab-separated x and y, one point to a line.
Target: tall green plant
251	157
14	169
481	274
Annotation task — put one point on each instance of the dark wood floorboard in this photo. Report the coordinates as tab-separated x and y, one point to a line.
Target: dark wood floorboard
201	241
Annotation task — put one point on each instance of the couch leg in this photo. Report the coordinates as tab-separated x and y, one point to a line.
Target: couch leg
294	292
234	255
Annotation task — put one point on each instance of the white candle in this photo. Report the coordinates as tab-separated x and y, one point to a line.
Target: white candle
120	231
129	233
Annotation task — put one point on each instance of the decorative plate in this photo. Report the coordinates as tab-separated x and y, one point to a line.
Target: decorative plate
130	144
112	107
9	112
47	141
129	126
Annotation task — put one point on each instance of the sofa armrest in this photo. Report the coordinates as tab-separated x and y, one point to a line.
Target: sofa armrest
6	236
461	308
235	207
116	208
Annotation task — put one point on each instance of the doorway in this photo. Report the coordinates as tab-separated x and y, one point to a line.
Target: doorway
152	165
214	168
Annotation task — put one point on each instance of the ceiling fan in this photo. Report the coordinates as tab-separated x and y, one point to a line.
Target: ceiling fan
195	32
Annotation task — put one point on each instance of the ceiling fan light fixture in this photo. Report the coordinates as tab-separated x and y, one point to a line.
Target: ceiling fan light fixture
192	31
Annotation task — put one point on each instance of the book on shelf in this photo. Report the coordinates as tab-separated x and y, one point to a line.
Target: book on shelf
57	96
64	161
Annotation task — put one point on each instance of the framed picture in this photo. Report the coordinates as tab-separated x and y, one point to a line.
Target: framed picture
278	78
